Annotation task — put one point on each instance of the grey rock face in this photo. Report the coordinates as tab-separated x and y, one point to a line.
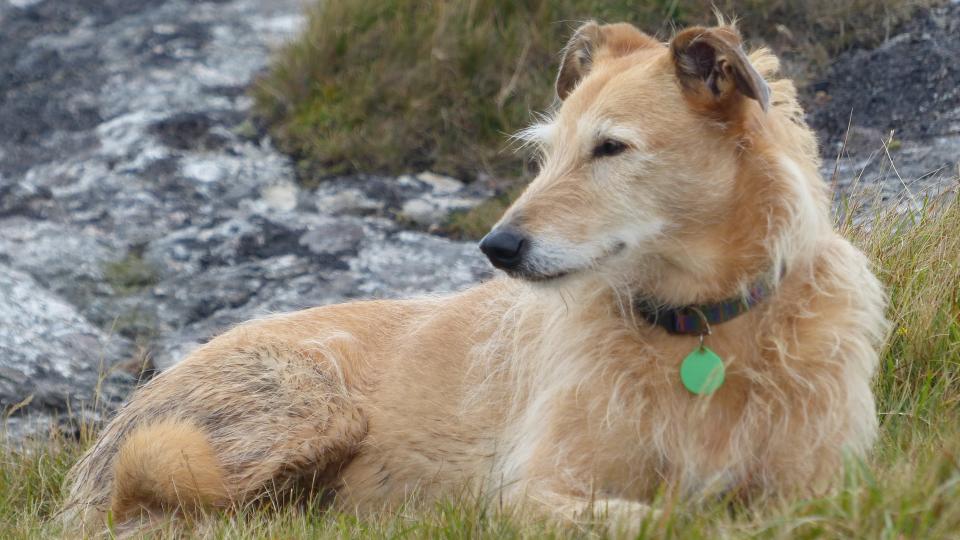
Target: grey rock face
906	92
141	213
51	355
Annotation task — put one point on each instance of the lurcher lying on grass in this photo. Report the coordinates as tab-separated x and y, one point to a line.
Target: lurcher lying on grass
679	310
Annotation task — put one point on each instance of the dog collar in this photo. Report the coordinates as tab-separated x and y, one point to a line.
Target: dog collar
696	319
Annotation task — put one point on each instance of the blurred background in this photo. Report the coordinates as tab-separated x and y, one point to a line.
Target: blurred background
169	168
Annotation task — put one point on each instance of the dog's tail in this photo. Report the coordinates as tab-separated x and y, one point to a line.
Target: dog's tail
165	467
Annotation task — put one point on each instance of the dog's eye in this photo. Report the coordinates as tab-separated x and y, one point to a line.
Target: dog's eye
608	147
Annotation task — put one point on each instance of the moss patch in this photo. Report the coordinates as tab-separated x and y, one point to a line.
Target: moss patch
130	274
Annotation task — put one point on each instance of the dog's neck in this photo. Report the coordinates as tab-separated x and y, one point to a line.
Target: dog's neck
774	218
699	318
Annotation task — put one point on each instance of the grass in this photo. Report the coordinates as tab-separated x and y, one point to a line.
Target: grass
909	488
402	86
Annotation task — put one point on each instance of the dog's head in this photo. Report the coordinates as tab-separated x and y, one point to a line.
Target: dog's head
645	159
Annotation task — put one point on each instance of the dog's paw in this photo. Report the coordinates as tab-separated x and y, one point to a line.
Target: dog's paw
623	518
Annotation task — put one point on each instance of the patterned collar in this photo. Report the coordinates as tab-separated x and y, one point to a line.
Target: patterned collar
697	319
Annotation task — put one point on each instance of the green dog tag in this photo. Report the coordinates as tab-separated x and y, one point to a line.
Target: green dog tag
702	371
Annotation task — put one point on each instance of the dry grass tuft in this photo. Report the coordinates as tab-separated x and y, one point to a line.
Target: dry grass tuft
397	86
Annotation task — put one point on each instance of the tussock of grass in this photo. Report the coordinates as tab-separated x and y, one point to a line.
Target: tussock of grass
910	487
398	85
919	260
31	477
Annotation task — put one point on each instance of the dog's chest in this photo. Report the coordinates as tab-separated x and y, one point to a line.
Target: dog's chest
627	441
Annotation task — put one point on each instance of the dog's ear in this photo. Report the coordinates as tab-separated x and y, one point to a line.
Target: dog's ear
578	56
714	71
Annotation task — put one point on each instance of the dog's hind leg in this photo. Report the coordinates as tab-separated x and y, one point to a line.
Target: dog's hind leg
233	423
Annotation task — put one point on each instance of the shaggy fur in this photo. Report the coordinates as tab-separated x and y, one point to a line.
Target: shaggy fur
545	388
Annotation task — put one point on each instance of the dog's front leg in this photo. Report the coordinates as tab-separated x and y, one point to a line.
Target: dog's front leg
621	517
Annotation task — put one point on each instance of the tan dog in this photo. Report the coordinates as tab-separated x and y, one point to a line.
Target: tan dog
677	181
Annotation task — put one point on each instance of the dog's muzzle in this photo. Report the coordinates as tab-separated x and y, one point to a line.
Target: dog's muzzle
505	247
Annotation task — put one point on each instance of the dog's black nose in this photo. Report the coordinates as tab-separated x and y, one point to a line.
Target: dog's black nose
504	247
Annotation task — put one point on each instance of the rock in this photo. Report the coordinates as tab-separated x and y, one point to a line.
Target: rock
902	103
422	211
67	260
417	262
51	358
140	210
204	170
281	196
424	201
18	198
441	184
344	200
430	211
188	130
339	238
